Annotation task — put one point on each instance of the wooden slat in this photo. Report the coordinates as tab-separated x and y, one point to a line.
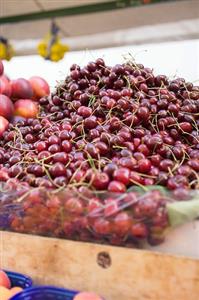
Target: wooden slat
132	274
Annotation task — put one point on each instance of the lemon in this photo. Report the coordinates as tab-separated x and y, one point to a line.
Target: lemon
6	52
57	49
55	57
2	51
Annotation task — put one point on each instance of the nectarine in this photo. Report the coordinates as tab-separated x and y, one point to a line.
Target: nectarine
21	89
26	108
40	87
6	107
4	280
5	87
3	126
4	293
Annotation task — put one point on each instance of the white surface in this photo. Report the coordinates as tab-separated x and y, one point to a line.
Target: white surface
182	240
172	59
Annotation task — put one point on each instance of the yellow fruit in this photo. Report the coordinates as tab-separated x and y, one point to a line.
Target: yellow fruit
4	293
15	290
55	57
55	48
42	53
42	47
2	51
6	52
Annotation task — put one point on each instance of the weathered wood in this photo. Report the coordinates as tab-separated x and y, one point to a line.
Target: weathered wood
130	274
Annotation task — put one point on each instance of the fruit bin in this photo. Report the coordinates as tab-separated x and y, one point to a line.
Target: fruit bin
19	280
114	272
45	292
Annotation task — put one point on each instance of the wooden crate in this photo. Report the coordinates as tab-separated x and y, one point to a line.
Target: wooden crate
113	272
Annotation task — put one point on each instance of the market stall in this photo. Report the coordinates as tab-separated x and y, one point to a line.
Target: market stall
99	170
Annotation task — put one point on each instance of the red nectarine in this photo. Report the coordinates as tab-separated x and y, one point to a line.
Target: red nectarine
4	280
21	89
3	126
4	293
6	107
40	87
5	87
26	108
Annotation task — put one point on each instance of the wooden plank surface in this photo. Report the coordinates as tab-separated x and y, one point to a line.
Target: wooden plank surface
115	273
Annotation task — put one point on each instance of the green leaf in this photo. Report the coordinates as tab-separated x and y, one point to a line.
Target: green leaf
147	188
183	211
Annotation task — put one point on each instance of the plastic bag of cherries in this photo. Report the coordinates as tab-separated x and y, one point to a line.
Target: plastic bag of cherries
125	219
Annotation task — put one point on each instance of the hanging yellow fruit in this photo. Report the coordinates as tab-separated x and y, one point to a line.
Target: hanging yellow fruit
42	49
6	50
51	47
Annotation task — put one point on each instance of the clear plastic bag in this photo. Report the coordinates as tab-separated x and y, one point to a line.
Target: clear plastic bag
126	219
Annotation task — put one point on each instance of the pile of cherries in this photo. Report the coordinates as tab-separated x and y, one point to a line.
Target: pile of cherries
108	129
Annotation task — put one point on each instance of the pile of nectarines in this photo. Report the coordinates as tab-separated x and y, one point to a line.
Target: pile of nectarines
19	97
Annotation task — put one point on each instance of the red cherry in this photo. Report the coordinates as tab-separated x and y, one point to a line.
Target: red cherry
122	223
100	181
73	205
144	165
122	175
102	226
139	230
116	187
58	169
61	157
